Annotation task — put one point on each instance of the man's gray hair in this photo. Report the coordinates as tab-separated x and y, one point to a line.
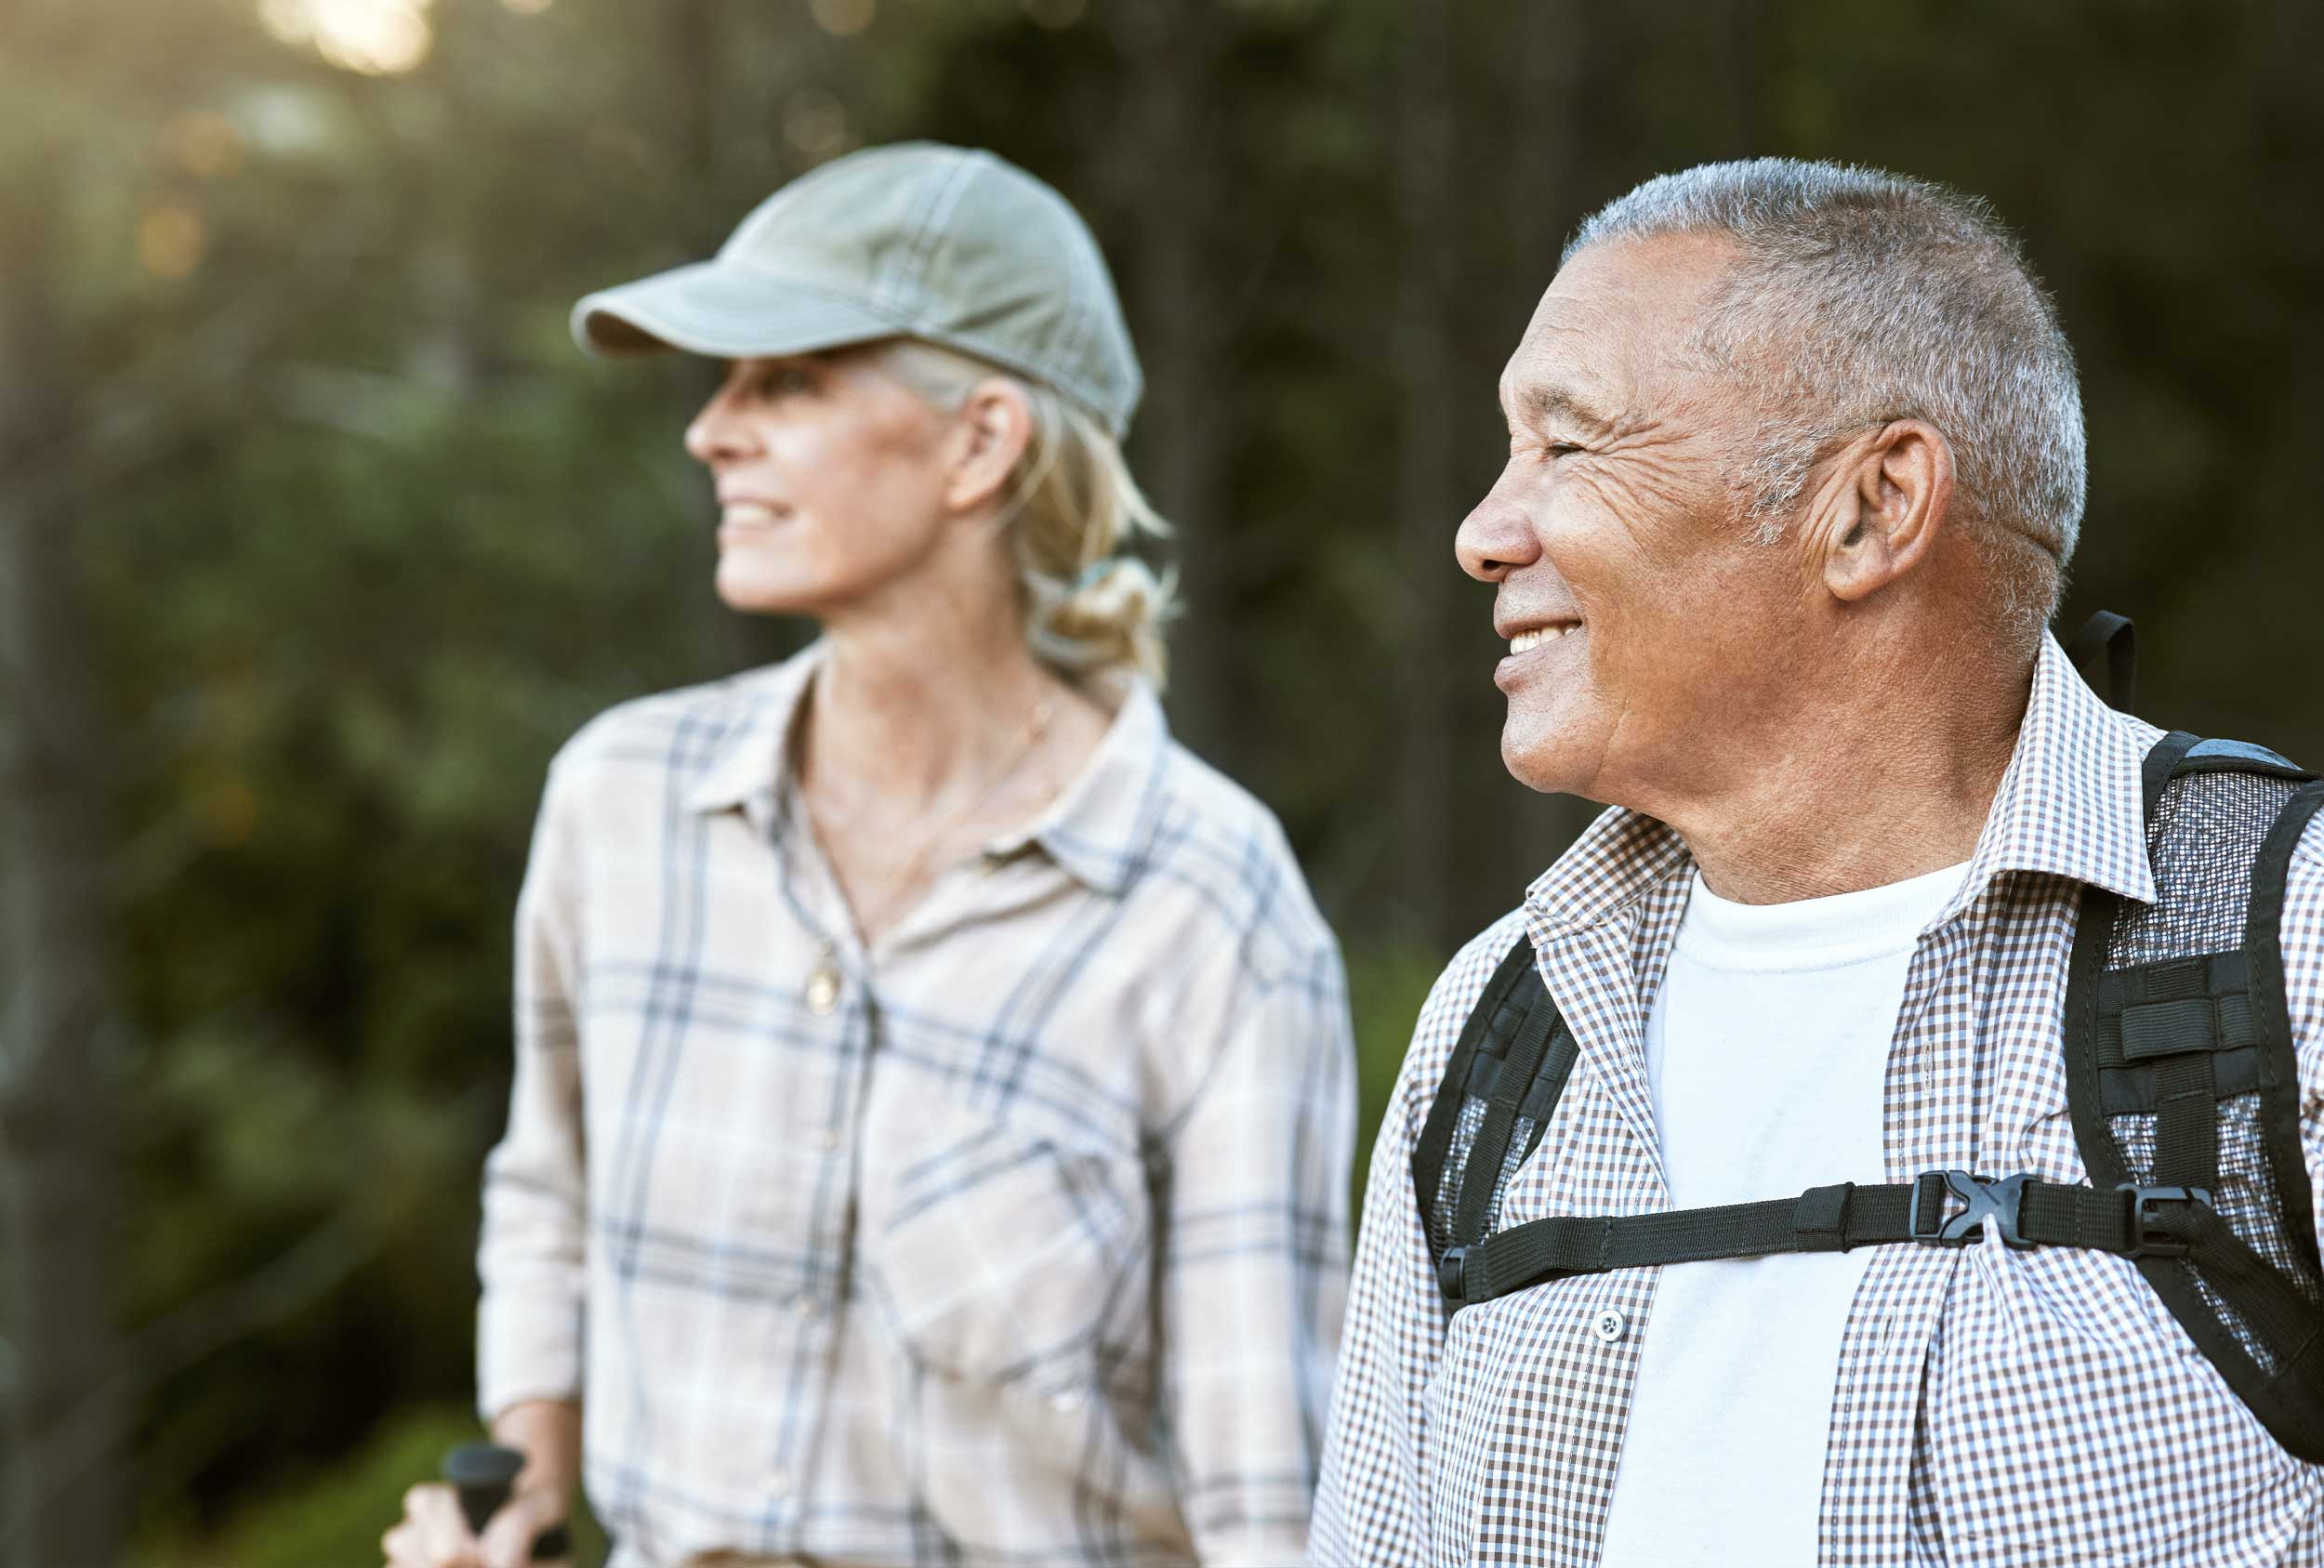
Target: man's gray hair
1860	297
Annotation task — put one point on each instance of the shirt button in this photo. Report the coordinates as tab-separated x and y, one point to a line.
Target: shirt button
778	1483
823	990
831	1141
1609	1325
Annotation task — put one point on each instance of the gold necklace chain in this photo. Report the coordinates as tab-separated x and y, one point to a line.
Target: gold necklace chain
870	920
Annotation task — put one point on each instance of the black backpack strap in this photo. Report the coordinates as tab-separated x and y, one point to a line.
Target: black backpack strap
2173	1038
1444	1113
1512	1062
2278	1060
1482	1173
2131	1221
2112	634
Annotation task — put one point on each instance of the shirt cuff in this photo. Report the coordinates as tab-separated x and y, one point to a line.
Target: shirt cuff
526	1350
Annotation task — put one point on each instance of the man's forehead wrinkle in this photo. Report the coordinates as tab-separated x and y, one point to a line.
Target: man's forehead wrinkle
1541	383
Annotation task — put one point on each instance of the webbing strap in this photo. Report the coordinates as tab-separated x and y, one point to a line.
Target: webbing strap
2280	1075
1443	1115
2112	634
2260	1293
2186	1121
2132	1222
1491	1147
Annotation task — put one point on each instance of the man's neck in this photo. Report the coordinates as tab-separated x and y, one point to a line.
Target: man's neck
1876	803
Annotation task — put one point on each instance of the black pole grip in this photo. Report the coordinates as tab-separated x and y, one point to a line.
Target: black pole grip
482	1473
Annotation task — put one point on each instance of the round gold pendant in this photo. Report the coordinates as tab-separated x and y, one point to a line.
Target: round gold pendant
822	989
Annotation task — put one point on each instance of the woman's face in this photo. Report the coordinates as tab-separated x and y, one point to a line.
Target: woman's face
834	482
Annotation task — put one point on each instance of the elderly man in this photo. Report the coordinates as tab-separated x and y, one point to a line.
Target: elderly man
1996	1010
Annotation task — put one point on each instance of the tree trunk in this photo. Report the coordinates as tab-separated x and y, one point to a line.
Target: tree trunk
1425	337
1166	187
63	1495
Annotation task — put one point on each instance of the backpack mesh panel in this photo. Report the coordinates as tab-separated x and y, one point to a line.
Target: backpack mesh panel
1465	1137
2207	831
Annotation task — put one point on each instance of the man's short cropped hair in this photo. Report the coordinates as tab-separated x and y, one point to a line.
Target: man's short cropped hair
1859	297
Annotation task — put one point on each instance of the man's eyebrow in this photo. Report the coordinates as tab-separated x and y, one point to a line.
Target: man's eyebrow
1539	402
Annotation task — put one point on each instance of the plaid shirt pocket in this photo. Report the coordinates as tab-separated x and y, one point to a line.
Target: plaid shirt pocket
999	1263
997	1258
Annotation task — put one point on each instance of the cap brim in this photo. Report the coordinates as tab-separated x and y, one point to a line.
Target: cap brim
725	312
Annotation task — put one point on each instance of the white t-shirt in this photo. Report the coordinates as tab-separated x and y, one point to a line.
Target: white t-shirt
1767	1049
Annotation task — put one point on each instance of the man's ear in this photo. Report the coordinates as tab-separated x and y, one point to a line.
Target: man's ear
996	425
1877	514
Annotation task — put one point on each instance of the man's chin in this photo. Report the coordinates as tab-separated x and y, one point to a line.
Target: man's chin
1543	759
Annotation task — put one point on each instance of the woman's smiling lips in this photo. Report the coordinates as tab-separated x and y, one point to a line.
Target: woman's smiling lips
745	515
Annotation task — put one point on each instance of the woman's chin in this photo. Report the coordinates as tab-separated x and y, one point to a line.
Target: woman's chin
760	593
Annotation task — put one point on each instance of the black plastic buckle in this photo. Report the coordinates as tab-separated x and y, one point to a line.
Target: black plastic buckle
1448	1275
2145	1240
1985	1201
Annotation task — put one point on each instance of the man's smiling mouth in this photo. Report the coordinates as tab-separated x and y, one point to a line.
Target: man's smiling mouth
1525	641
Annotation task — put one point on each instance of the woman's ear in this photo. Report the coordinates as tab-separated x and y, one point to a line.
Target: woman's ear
996	425
1879	513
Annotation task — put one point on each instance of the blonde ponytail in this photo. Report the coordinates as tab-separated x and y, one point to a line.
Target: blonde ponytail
1072	511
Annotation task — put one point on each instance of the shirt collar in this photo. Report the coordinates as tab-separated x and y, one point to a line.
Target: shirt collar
1098	828
749	758
2070	805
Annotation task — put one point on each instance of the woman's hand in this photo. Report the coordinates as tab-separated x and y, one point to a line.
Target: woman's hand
433	1534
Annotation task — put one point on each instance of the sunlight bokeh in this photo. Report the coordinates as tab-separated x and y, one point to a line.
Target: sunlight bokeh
376	37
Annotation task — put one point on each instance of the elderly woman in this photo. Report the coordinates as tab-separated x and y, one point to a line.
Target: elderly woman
932	1104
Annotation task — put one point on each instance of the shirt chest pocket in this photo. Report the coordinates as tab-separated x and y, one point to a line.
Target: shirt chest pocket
1001	1254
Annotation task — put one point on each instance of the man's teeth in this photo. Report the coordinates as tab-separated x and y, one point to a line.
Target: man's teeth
1525	641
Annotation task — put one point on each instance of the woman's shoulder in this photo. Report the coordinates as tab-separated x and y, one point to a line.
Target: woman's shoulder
1216	838
658	726
672	730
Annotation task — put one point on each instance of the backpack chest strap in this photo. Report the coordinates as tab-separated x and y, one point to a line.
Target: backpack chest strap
2129	1222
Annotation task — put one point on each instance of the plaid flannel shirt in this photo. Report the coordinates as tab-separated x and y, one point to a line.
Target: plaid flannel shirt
1023	1244
1992	1406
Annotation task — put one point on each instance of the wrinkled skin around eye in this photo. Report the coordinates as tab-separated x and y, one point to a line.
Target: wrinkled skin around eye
1619	508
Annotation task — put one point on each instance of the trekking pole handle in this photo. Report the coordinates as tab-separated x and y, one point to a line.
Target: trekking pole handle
482	1474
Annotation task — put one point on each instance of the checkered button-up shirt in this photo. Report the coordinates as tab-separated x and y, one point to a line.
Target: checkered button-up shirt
1991	1406
1022	1243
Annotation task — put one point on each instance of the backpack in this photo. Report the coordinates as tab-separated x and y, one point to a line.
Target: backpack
2181	1082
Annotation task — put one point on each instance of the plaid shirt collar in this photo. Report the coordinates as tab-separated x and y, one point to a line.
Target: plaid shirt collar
1099	830
2070	805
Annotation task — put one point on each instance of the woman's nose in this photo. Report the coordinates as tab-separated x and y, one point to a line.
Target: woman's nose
718	432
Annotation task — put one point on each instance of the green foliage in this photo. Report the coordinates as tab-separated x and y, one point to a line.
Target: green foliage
368	538
1386	986
336	1513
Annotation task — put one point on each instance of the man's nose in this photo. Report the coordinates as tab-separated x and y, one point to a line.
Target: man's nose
718	432
1496	538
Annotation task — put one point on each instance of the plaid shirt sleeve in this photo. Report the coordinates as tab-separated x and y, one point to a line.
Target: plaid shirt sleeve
529	1326
1396	1317
1253	1274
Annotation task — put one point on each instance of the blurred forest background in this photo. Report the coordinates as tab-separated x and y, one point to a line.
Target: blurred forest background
317	536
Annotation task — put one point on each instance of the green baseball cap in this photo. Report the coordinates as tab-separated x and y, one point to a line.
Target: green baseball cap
952	245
